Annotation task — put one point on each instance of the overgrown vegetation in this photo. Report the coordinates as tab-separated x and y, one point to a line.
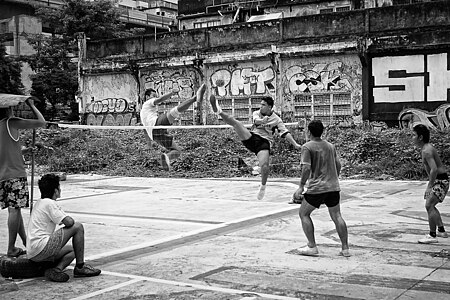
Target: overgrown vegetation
388	154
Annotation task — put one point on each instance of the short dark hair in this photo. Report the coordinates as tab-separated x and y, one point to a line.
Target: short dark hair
316	128
48	184
149	91
268	99
423	131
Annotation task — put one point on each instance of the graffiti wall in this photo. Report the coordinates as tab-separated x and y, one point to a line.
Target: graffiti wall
411	78
248	79
109	99
412	87
183	81
329	88
240	86
326	88
437	119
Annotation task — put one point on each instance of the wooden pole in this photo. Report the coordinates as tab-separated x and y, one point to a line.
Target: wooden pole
33	141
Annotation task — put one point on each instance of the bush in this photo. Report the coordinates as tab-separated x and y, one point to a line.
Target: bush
219	153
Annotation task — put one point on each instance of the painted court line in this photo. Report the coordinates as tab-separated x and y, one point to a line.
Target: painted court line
140	218
112	288
186	234
137	278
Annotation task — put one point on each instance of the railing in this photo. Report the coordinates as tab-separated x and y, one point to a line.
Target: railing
156	4
126	16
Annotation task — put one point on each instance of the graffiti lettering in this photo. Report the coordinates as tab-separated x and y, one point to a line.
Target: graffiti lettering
439	119
318	77
110	105
165	81
244	81
412	78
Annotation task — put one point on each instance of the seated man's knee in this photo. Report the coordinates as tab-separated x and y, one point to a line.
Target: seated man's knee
78	227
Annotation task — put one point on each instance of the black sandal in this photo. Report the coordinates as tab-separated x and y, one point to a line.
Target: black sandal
19	253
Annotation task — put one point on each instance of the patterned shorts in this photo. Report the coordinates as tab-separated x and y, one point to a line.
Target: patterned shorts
52	248
439	189
14	193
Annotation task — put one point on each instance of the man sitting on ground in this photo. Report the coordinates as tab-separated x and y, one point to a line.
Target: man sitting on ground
44	243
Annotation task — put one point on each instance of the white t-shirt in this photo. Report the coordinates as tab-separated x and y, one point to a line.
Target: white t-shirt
46	215
267	130
149	115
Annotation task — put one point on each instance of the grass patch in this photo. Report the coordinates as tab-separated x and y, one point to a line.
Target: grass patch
218	153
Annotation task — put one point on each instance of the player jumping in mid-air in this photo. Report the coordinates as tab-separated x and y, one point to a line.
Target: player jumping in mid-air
259	139
149	117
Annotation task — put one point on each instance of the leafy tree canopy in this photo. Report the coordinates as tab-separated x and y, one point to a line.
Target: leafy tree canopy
56	72
10	80
97	19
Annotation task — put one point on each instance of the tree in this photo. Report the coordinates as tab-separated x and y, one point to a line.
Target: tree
10	80
98	19
56	72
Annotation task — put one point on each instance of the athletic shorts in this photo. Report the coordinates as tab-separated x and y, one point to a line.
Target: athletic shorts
54	245
256	143
330	199
162	136
14	193
440	187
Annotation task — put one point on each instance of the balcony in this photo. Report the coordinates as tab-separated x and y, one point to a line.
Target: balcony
163	4
127	14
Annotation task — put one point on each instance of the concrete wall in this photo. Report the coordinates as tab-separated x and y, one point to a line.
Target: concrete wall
183	80
328	87
366	64
110	99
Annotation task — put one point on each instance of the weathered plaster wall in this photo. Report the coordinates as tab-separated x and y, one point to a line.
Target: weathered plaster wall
184	81
368	63
327	86
240	85
110	99
241	79
420	81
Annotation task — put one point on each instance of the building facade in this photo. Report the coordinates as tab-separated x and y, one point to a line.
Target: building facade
17	22
373	64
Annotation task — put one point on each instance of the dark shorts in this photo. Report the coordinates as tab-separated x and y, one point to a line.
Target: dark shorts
256	143
54	245
162	136
330	199
14	193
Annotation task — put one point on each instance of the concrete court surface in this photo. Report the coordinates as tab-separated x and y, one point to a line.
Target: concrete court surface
159	238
